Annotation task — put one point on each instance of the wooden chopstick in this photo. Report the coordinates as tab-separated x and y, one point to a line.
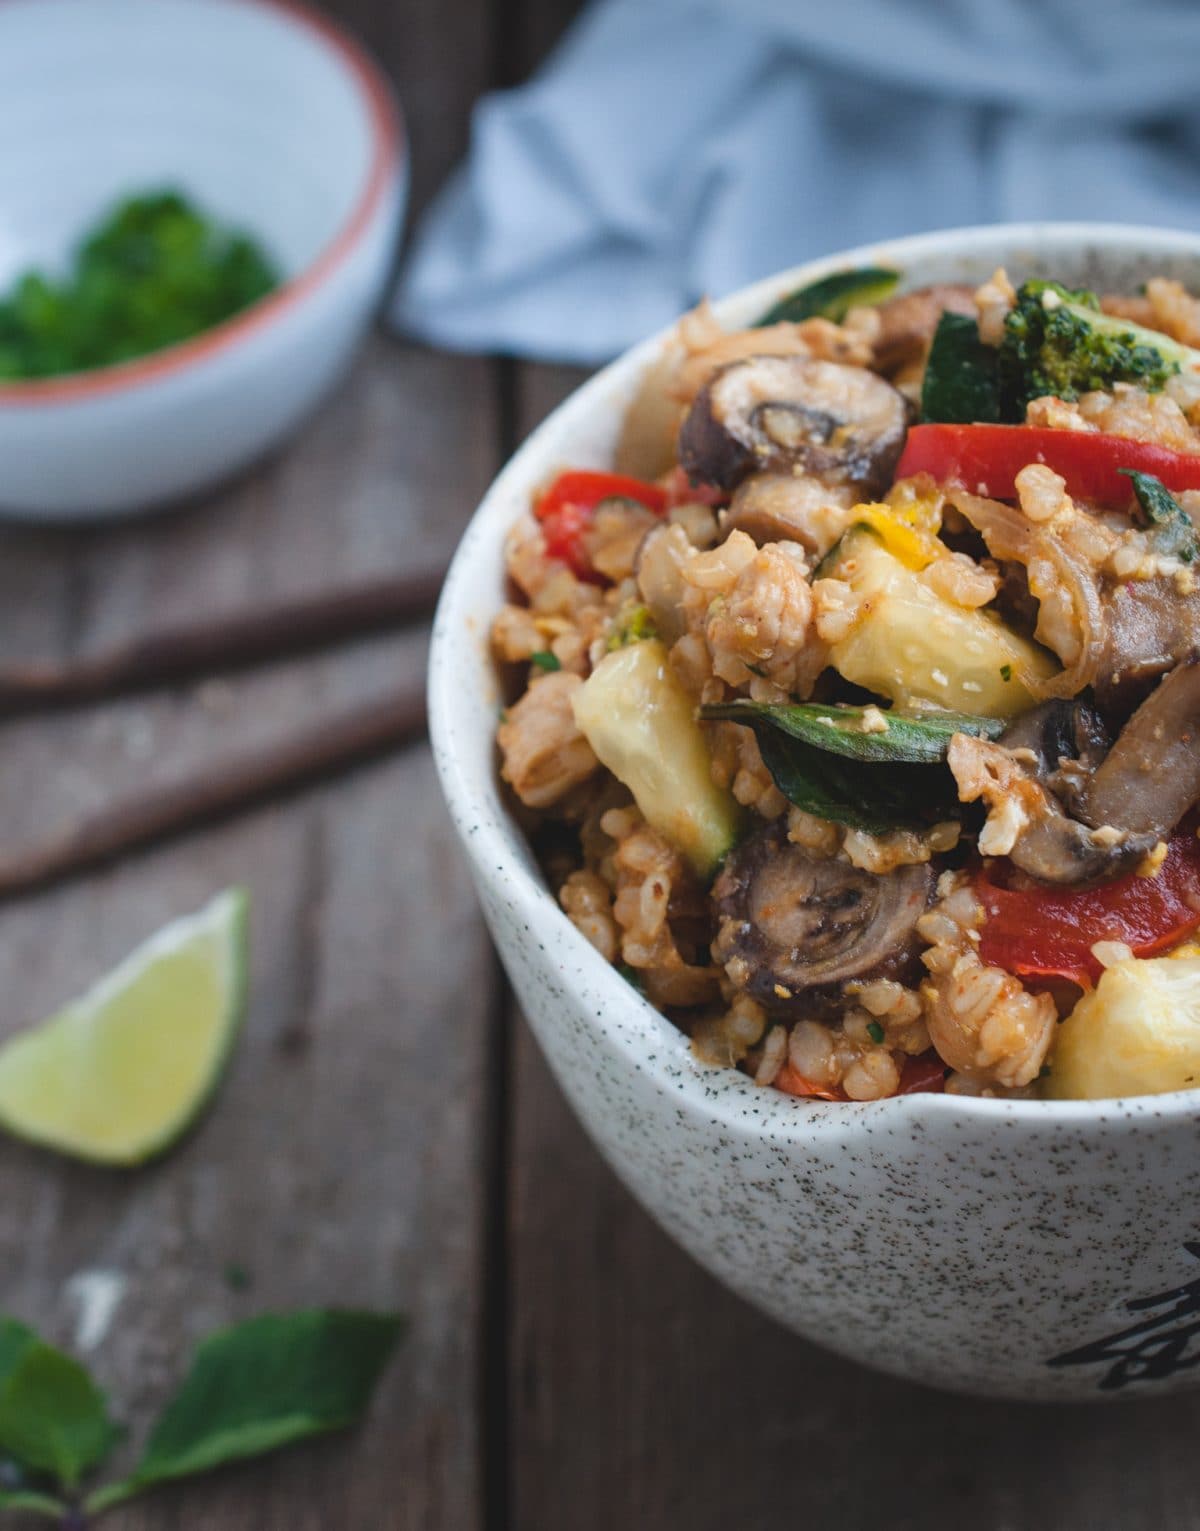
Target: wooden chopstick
222	643
311	754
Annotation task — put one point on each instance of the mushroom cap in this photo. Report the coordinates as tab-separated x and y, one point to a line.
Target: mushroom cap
842	424
794	927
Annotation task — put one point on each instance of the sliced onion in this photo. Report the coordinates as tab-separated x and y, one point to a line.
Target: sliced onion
1006	530
1010	535
1080	581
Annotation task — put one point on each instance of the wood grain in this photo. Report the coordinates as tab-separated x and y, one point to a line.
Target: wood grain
344	1157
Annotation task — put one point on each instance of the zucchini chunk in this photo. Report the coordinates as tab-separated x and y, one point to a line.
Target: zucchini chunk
642	725
912	645
1136	1033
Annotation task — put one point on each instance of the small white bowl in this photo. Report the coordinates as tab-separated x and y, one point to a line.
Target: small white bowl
1027	1249
273	121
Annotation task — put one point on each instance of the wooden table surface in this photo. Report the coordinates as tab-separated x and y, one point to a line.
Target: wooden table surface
388	1134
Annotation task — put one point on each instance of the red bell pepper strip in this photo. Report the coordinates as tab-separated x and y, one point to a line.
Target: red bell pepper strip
986	459
1049	932
925	1075
792	1082
566	509
680	490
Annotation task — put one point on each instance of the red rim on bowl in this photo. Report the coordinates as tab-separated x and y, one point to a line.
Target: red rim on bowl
387	141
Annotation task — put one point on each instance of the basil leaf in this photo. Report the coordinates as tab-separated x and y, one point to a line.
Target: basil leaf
263	1384
823	761
833	296
15	1339
32	1504
960	386
1176	535
53	1418
913	738
864	796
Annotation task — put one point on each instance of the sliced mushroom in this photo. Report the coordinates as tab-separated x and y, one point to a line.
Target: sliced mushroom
907	322
785	507
1149	627
794	928
1068	739
1151	776
794	414
1057	849
1026	822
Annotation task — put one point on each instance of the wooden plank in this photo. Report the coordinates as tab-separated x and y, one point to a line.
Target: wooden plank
344	1158
644	1394
339	1163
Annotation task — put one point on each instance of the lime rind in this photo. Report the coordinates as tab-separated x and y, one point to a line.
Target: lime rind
120	1074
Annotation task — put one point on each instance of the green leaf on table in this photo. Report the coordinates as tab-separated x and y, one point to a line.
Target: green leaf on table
53	1418
262	1384
15	1339
31	1503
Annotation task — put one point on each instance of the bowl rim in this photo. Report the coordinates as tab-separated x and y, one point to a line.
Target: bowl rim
388	157
727	1094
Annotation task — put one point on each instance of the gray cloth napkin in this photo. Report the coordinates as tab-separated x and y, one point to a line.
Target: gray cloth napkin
672	148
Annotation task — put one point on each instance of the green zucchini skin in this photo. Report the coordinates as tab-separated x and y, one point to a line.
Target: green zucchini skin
833	296
960	385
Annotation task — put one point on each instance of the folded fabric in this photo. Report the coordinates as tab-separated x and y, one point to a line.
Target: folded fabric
672	148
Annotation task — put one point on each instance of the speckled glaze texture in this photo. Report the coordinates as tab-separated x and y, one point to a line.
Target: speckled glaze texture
1014	1248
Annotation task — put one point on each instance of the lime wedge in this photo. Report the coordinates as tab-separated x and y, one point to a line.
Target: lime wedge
119	1074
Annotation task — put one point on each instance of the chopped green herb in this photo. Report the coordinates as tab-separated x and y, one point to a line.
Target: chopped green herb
1174	534
1044	1071
545	660
504	714
875	1031
630	975
634	626
1006	672
156	271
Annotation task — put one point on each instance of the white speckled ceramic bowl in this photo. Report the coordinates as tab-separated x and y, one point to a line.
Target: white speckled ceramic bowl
272	120
1016	1248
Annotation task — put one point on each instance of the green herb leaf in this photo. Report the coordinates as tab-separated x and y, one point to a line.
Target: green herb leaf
1175	536
875	1031
1006	672
15	1339
156	271
825	761
32	1504
263	1384
849	792
633	626
833	296
916	738
53	1418
545	660
960	386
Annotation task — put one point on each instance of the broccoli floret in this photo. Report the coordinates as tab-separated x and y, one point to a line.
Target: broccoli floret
1057	341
